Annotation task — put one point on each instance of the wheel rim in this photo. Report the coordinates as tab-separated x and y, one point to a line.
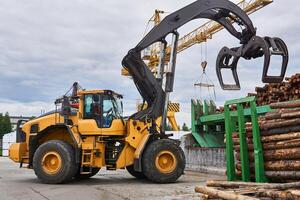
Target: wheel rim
165	162
51	162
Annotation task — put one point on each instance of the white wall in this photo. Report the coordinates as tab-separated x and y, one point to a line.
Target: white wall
177	134
8	139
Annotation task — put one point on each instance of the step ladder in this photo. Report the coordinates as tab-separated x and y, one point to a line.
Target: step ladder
87	159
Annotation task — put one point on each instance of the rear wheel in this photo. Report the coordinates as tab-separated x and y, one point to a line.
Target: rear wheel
136	174
86	176
54	162
163	161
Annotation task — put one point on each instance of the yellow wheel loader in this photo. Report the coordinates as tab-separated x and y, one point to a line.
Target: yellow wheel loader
87	130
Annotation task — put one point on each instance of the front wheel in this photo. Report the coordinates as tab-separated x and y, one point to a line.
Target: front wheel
54	162
163	161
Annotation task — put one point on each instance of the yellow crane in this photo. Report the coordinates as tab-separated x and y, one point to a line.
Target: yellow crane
201	34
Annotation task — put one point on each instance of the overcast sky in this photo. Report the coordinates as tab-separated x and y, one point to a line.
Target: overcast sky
47	45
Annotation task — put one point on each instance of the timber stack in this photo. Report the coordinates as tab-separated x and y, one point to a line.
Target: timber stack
248	190
278	92
280	138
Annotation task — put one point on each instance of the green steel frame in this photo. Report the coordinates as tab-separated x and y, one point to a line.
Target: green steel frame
208	127
206	134
230	127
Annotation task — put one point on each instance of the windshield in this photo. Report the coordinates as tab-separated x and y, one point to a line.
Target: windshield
117	104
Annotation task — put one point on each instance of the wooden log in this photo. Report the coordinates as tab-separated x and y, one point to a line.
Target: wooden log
275	115
281	137
281	130
276	154
275	194
271	138
222	194
204	197
274	123
280	165
295	192
287	104
236	184
273	145
283	113
278	124
278	176
292	175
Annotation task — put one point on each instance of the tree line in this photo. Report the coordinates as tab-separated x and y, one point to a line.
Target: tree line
183	128
5	124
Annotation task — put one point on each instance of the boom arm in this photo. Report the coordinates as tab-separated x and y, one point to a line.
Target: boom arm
221	11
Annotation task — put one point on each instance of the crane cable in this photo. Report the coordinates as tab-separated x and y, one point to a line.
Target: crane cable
205	81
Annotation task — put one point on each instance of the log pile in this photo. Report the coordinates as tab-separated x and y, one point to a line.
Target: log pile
278	92
248	190
280	138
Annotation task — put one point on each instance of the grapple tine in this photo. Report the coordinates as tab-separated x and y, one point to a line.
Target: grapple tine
223	62
276	46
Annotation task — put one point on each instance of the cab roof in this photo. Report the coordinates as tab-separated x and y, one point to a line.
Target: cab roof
83	92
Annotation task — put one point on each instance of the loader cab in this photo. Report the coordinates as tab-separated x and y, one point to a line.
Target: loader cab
100	112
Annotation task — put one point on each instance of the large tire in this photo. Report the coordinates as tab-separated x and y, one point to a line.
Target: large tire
86	176
136	174
163	161
54	162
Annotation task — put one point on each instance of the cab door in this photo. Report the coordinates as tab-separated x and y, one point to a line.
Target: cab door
112	122
100	116
89	123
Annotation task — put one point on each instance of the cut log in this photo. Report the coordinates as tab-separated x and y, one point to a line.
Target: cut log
279	165
236	184
281	137
222	194
275	194
273	145
278	124
272	138
276	154
292	175
291	104
281	130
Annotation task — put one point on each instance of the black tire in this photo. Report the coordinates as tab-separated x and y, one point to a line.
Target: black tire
68	165
136	174
86	176
156	148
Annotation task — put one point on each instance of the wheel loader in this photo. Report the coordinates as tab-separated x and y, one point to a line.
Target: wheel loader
87	130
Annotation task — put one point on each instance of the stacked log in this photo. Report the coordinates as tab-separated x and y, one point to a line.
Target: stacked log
278	92
280	138
248	190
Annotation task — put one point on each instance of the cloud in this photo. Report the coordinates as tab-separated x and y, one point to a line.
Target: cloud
47	45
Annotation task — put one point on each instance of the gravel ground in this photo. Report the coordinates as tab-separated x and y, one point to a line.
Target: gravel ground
16	183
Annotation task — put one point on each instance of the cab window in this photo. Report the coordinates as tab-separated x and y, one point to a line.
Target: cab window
92	108
88	100
111	110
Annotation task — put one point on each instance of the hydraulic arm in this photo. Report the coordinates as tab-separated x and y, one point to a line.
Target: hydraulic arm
221	11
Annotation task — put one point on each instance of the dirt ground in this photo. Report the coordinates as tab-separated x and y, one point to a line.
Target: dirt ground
16	183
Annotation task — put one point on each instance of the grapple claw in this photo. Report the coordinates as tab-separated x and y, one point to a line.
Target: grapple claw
223	62
276	47
254	48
